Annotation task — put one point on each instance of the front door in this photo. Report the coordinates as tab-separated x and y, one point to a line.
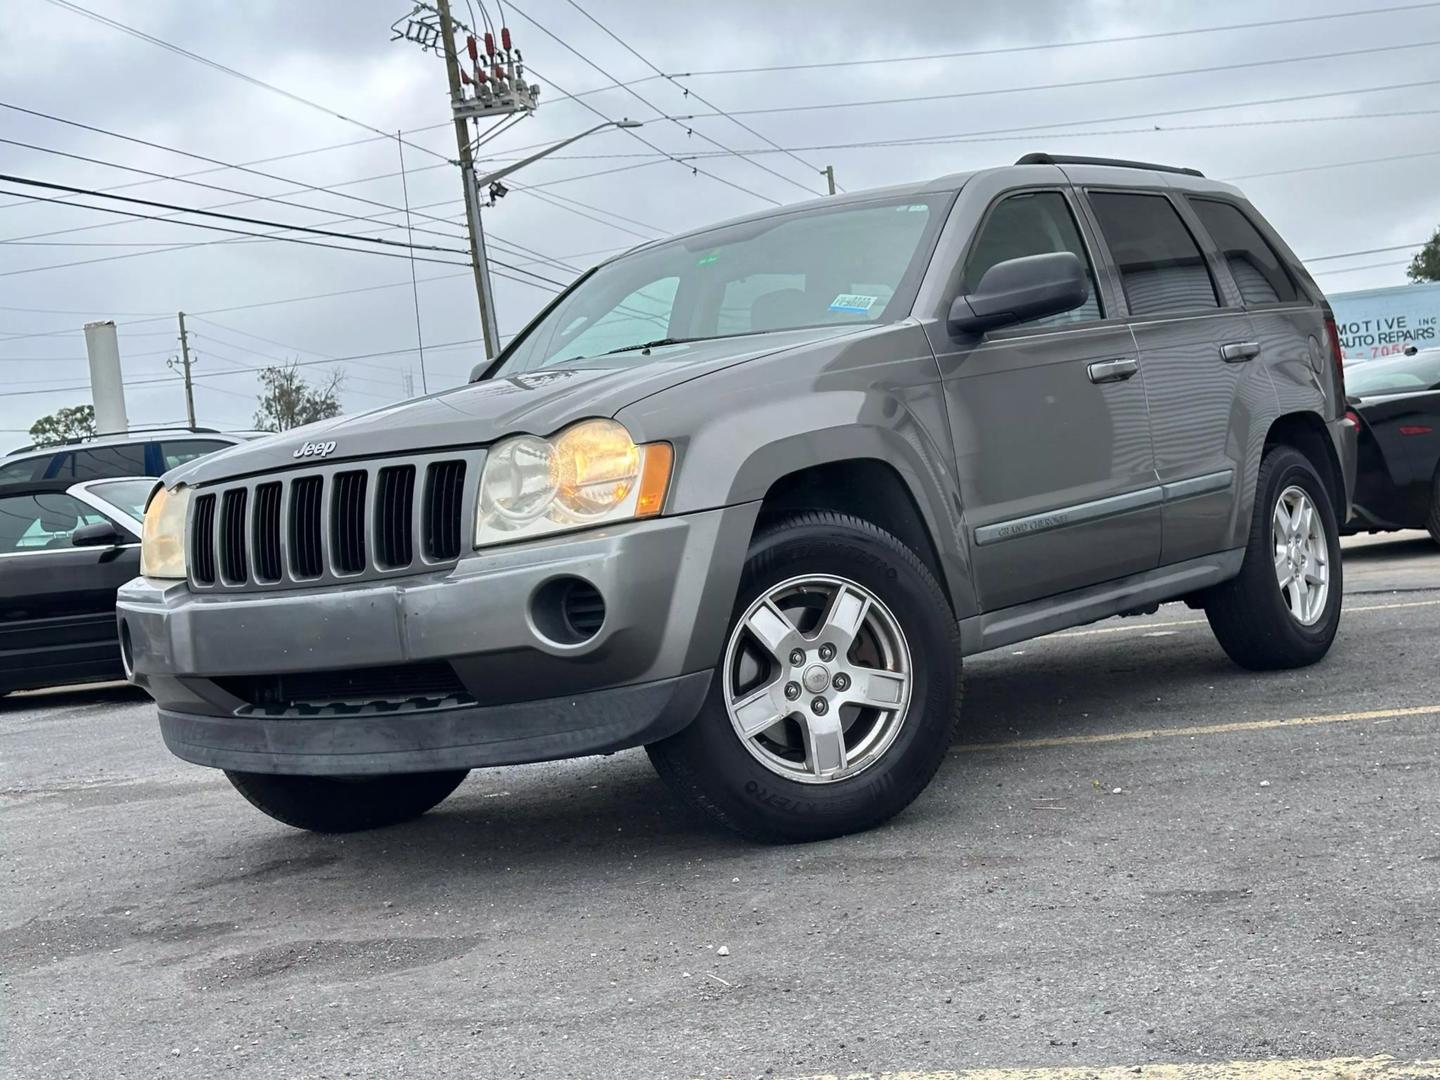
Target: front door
1051	431
57	601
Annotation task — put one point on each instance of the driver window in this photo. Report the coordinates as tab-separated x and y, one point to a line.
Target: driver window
1032	223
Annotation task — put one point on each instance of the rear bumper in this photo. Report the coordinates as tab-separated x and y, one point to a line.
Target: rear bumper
515	695
1345	437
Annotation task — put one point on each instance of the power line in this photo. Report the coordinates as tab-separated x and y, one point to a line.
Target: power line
1367	251
179	50
50	186
1367	266
250	197
631	131
1007	49
689	93
190	154
1337	165
1073	84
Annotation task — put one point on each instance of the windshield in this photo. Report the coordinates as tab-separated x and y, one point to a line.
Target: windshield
817	267
127	495
1394	375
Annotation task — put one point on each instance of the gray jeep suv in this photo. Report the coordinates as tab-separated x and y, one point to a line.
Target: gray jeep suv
747	496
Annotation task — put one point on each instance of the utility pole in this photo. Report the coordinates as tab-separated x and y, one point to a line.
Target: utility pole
185	371
829	174
481	265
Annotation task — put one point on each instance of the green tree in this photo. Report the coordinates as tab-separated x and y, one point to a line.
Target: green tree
73	422
1426	264
288	401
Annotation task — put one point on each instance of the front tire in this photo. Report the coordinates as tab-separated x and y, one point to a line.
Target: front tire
329	804
839	692
1282	610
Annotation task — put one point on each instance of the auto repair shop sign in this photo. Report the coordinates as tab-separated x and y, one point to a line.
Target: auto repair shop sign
1382	322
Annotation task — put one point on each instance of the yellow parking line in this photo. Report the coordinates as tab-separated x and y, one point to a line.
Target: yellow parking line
1137	627
1199	729
1369	1068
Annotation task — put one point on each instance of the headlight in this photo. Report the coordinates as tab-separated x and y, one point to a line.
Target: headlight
589	474
162	539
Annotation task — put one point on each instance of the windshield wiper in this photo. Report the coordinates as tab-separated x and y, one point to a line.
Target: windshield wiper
648	345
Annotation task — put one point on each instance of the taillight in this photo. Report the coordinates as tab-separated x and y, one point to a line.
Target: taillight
1337	355
1352	418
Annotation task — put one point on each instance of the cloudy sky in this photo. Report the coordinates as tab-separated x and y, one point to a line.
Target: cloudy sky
1298	111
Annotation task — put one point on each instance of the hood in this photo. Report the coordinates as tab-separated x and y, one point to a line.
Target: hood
538	403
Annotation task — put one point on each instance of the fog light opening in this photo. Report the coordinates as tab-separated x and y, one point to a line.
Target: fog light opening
567	610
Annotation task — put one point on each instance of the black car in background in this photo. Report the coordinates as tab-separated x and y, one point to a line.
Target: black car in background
64	550
1398	482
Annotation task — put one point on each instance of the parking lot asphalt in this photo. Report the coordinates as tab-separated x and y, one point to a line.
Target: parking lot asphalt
1136	855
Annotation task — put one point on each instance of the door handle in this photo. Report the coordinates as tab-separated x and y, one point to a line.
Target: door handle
1117	370
1237	352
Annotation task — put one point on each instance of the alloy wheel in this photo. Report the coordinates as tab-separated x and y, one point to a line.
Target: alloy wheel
817	678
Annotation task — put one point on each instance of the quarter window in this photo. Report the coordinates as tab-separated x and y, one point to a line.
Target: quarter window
1033	223
1253	263
1161	268
180	451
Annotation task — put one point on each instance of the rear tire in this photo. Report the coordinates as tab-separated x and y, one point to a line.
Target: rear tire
329	804
806	772
1254	618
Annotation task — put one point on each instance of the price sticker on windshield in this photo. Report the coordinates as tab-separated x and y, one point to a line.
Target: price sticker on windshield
853	302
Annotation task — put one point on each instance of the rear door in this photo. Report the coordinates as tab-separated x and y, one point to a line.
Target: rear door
1208	400
1052	438
57	601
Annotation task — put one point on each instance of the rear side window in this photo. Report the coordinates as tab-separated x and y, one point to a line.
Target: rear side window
1032	223
1253	263
42	522
1160	265
99	463
180	451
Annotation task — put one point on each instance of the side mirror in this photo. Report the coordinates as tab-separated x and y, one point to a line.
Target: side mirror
1018	290
101	534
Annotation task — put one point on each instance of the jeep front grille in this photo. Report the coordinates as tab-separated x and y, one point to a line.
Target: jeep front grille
332	523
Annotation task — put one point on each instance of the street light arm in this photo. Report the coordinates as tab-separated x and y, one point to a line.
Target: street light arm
490	178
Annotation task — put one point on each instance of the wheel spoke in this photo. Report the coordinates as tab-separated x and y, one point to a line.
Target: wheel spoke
772	629
1284	526
761	710
844	618
824	743
877	689
1282	569
1304	519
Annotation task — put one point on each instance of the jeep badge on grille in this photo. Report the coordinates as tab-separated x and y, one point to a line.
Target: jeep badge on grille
315	449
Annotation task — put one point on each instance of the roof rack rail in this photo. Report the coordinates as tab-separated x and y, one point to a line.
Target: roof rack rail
1121	163
80	440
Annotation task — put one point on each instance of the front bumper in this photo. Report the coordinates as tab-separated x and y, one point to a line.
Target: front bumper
668	586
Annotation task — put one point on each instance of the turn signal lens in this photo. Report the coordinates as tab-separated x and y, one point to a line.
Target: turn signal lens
590	474
162	537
